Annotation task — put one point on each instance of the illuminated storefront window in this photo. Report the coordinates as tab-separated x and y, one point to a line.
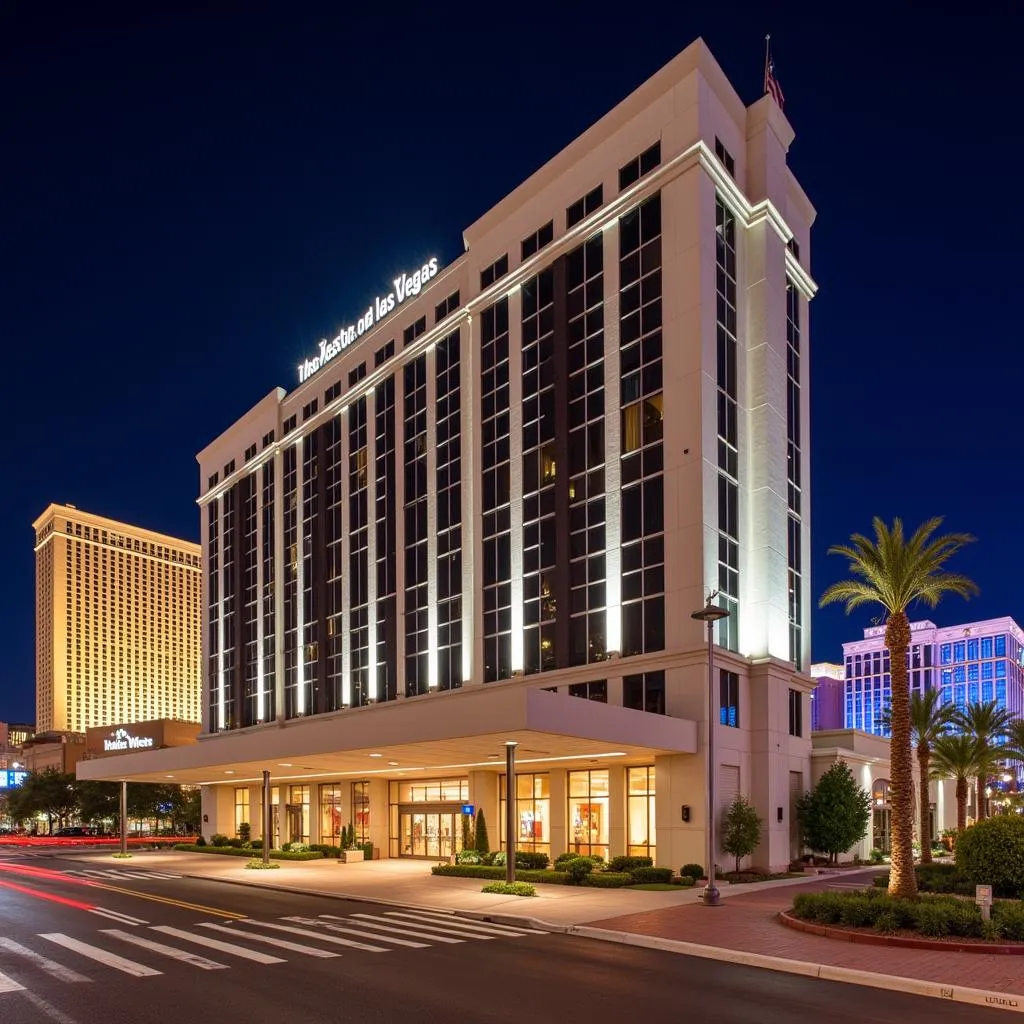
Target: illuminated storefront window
429	791
297	815
588	812
241	807
533	812
425	817
330	814
361	811
640	811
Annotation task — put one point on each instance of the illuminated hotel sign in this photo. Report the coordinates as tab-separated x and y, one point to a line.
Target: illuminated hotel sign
9	779
405	285
121	739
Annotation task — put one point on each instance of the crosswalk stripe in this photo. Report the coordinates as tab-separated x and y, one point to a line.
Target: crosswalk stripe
320	937
158	947
10	985
223	947
458	924
119	963
364	934
371	922
442	916
136	874
44	963
271	940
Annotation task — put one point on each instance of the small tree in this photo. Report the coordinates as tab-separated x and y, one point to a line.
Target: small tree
741	830
483	843
245	832
834	817
468	842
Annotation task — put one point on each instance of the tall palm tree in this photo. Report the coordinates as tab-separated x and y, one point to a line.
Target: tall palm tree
986	724
895	571
1015	741
955	756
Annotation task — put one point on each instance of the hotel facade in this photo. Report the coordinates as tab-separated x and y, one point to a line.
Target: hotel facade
490	506
118	623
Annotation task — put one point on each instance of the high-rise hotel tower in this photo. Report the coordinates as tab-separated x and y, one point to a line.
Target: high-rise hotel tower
506	483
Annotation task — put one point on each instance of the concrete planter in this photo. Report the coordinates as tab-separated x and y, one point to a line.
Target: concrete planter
351	856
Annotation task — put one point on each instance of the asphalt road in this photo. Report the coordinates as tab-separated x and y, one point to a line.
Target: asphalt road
116	949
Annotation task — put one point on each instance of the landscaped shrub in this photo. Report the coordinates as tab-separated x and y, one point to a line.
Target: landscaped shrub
483	871
1009	918
510	889
245	832
629	863
608	879
467	857
483	843
486	858
877	857
822	907
578	869
200	841
531	860
858	913
499	859
685	881
992	853
256	844
641	875
235	844
695	871
564	858
219	839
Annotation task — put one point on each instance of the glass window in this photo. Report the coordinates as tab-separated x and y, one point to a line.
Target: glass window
796	713
640	837
588	812
330	814
241	807
596	690
443	791
729	687
958	651
645	692
1001	645
297	815
533	812
986	647
946	653
361	810
972	650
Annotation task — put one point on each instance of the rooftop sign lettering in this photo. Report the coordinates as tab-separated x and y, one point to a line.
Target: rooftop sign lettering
121	739
405	285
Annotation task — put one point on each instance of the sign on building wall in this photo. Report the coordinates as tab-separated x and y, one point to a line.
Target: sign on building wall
9	779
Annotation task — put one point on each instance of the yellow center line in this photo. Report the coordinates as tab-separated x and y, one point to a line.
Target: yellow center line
174	903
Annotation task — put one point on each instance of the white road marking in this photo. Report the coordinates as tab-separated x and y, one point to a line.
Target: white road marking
10	985
322	938
270	940
371	922
116	915
51	967
364	934
119	963
175	954
223	947
457	925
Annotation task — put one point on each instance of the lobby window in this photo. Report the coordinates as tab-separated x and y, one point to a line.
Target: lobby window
415	513
332	393
639	166
596	689
725	156
241	807
229	468
413	331
535	242
250	452
330	814
361	810
446	307
497	270
640	835
584	206
309	409
297	814
268	438
533	812
796	713
289	426
384	353
212	482
588	812
356	374
729	703
644	691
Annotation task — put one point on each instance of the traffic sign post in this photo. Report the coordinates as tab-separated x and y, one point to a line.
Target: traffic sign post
983	897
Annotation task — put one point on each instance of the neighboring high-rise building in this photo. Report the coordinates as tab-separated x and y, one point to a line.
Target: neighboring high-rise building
117	623
13	736
827	705
969	663
522	473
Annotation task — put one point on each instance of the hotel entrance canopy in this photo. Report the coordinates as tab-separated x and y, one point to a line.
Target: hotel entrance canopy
456	731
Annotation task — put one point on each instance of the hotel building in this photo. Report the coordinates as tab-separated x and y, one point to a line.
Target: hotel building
118	623
488	509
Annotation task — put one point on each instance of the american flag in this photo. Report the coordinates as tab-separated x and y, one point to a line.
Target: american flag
771	83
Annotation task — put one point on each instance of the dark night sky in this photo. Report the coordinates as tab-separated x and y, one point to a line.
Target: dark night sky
189	201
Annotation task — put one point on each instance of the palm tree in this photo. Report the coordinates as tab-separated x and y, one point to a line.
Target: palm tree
986	724
1015	741
895	571
929	719
955	756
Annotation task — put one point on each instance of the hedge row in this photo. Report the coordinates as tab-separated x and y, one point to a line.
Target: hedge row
233	851
599	880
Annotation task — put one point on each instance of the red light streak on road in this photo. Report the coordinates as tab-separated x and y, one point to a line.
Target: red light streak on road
49	873
77	904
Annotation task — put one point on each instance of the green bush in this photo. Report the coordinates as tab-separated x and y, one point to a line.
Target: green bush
245	832
235	844
367	849
499	859
483	843
1009	919
325	848
686	881
877	857
695	871
256	864
629	863
578	869
467	857
510	889
564	858
533	861
641	875
992	853
609	879
200	841
483	871
858	913
887	923
822	907
487	858
219	839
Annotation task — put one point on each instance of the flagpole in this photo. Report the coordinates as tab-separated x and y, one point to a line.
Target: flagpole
767	58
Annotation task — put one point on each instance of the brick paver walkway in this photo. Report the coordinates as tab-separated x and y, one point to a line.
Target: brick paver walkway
747	922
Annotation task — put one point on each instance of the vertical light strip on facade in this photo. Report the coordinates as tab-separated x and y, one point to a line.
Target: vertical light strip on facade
280	560
346	592
371	546
431	357
469	385
515	472
261	696
300	589
220	612
613	443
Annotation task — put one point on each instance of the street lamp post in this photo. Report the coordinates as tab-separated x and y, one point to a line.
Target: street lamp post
267	836
124	818
710	614
510	811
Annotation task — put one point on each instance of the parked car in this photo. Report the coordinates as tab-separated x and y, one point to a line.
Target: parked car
75	831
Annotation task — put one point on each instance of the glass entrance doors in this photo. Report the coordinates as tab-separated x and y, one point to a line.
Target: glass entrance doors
434	834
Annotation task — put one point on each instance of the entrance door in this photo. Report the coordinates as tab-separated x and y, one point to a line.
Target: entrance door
881	830
433	834
294	817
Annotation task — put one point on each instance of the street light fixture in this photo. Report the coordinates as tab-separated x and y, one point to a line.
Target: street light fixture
710	614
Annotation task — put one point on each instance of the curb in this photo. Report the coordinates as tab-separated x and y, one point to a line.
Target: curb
511	920
898	941
825	972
